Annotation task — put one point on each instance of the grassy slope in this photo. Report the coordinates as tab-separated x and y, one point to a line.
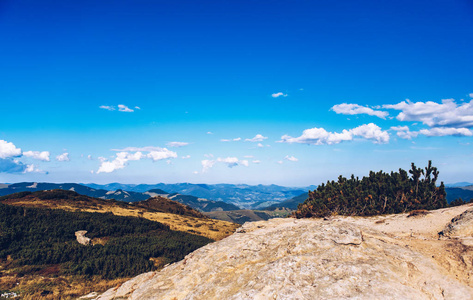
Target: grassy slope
247	215
71	201
49	282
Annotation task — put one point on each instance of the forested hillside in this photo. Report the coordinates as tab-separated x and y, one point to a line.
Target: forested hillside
378	193
176	215
38	241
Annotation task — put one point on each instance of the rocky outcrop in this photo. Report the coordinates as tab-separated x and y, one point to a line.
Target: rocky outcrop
300	259
81	238
460	226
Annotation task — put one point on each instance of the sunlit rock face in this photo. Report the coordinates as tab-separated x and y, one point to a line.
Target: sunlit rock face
81	238
460	226
300	259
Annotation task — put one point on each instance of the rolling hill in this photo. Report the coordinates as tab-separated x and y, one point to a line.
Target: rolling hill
289	203
466	193
171	213
247	215
243	195
40	256
118	194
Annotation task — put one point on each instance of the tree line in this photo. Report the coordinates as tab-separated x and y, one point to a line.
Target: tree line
378	193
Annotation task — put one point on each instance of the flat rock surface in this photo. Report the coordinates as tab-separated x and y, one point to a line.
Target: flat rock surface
341	258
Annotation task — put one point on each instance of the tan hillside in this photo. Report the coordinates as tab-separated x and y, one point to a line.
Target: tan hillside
384	257
189	220
166	205
247	215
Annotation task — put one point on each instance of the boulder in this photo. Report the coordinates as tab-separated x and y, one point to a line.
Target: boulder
460	226
81	238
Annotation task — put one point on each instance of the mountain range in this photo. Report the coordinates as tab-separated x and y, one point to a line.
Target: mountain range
242	195
204	197
119	194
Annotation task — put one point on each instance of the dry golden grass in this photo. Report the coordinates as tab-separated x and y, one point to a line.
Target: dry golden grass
32	287
210	228
213	229
418	212
50	286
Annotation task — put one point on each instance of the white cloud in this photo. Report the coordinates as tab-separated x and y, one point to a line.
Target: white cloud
355	109
248	156
63	157
119	162
371	132
280	162
44	155
291	158
244	163
121	107
319	136
110	166
260	145
210	155
256	161
135	156
257	138
8	150
186	157
445	114
209	132
471	95
400	128
142	149
207	164
177	144
89	157
404	132
121	158
230	140
161	154
407	134
32	169
445	131
279	94
124	108
107	107
229	161
29	169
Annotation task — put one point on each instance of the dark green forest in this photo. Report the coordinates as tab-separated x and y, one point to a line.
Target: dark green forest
378	193
40	237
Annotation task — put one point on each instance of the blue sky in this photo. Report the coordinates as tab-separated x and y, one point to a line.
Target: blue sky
101	91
